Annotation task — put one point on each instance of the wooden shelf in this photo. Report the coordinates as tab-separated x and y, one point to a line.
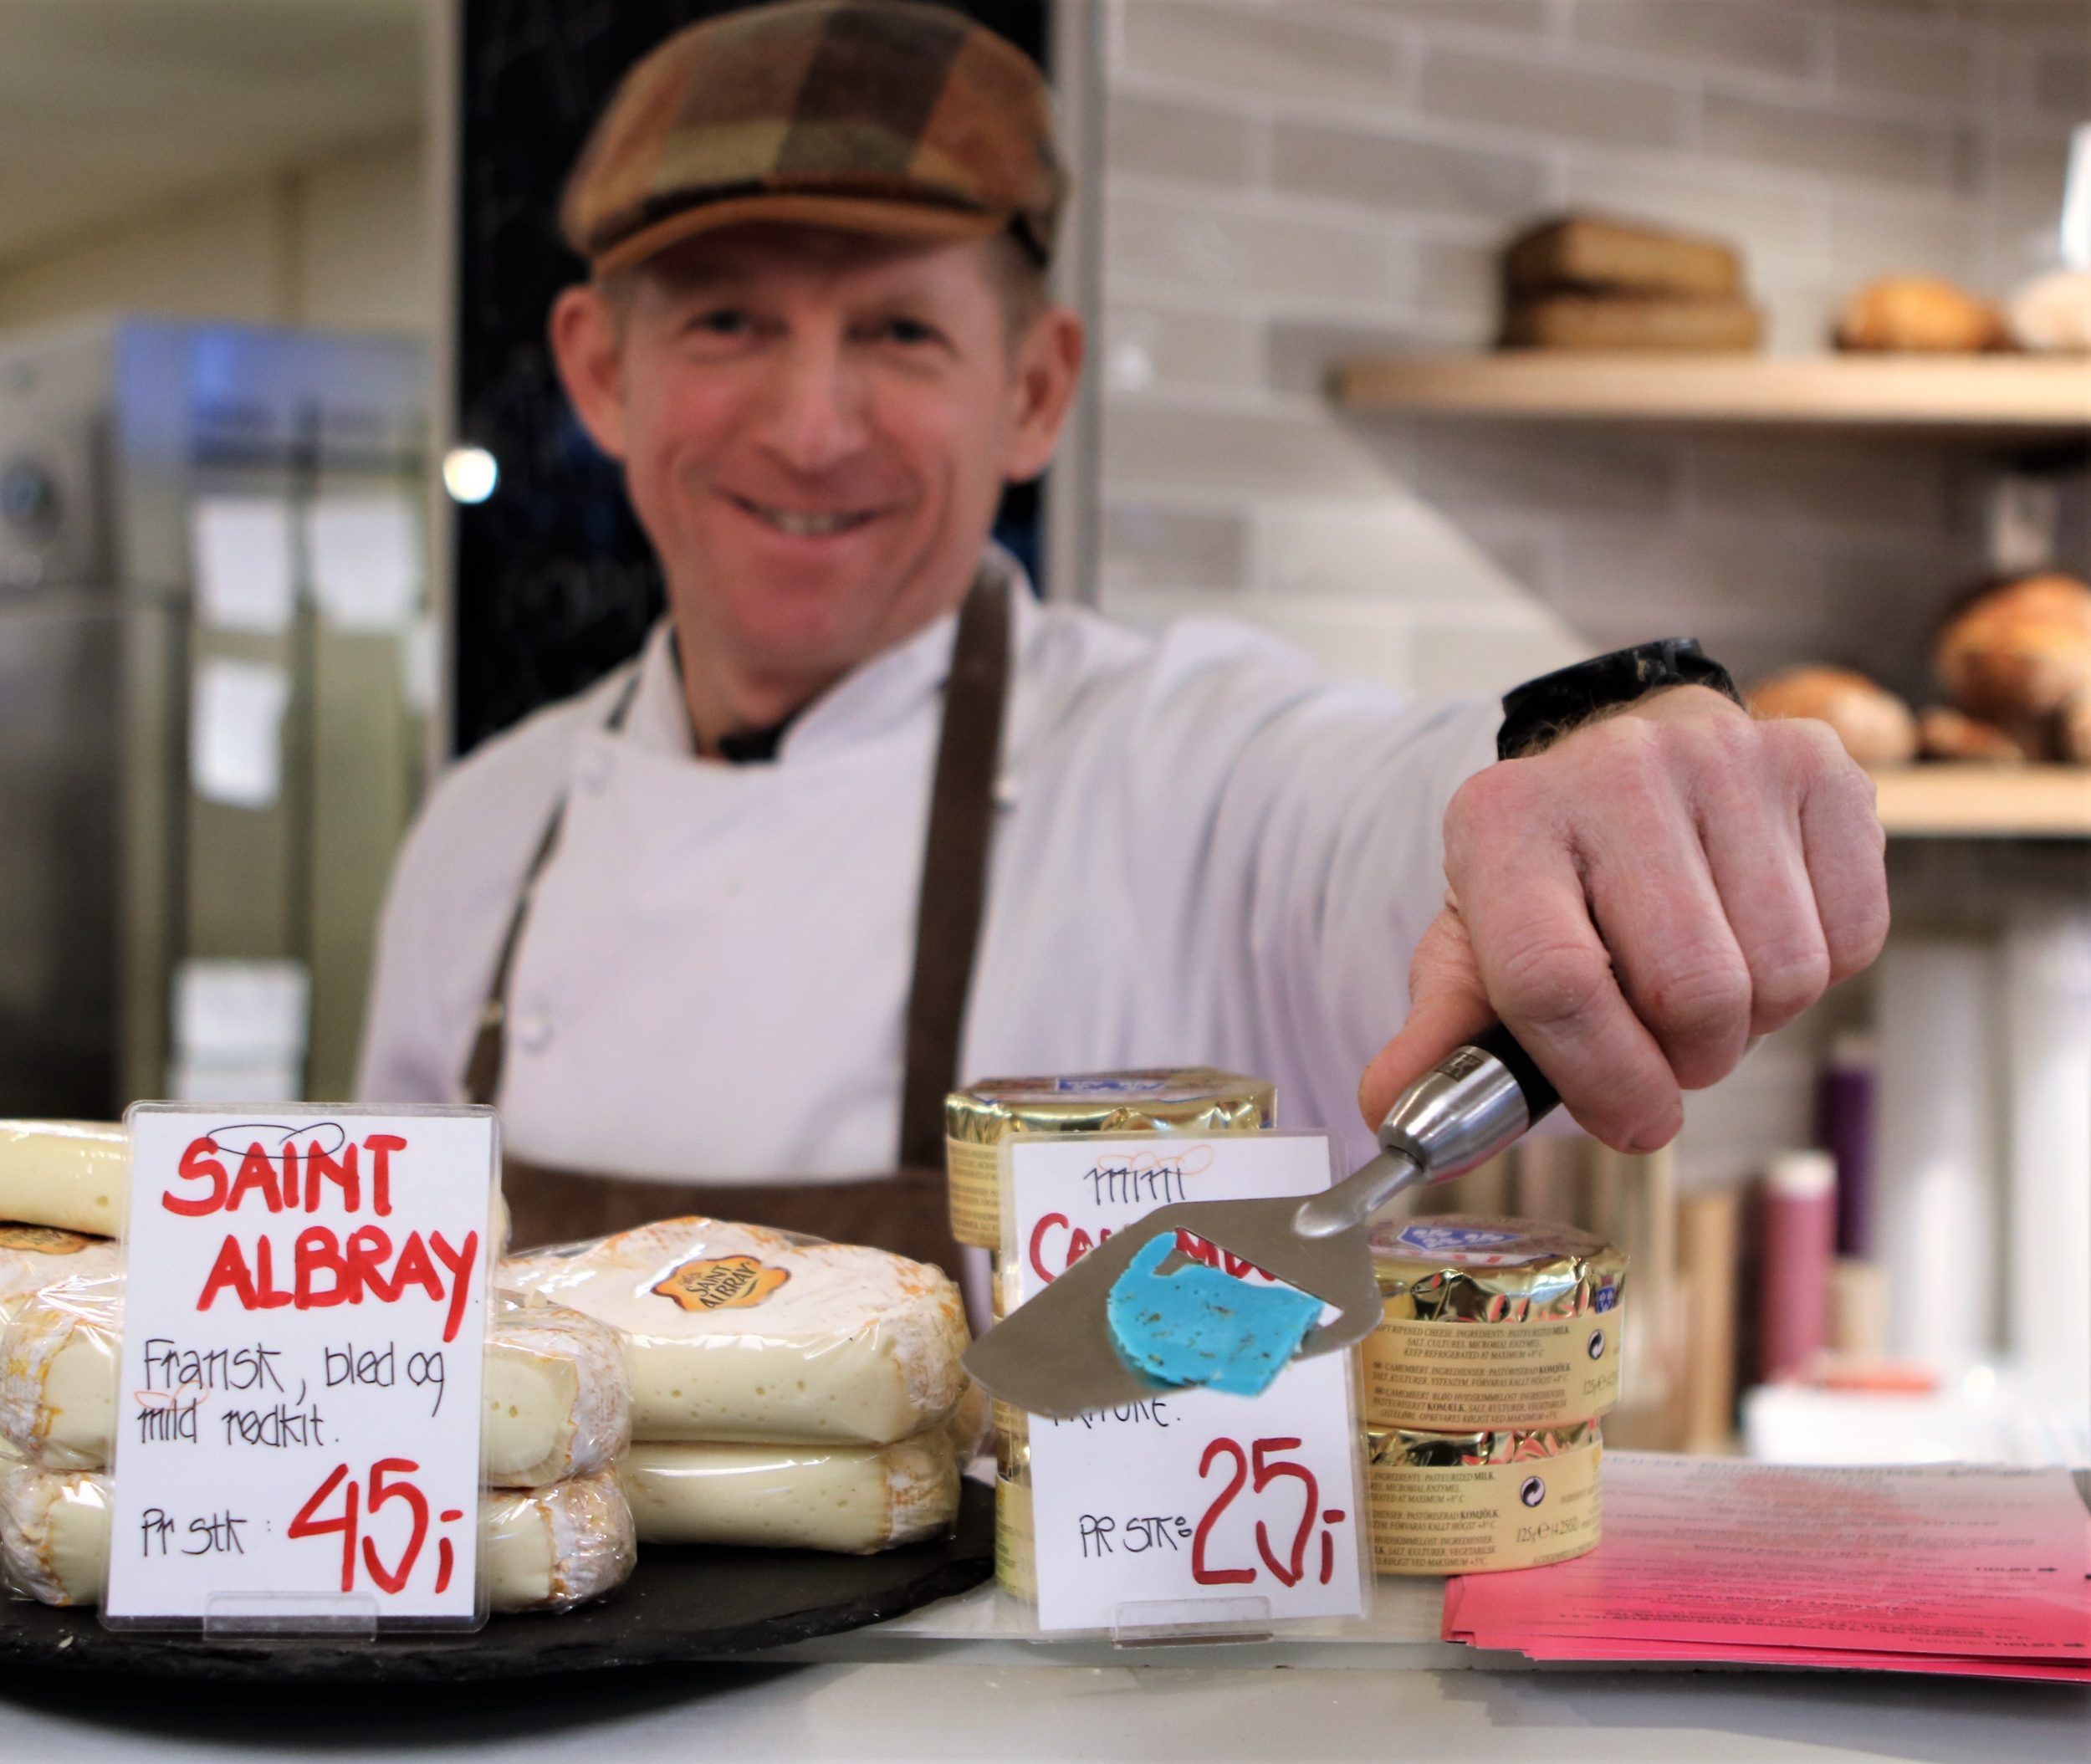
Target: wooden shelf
1986	801
2002	398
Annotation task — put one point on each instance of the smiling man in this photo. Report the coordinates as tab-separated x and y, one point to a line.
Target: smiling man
864	818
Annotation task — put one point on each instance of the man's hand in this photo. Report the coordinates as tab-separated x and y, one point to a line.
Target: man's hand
1640	899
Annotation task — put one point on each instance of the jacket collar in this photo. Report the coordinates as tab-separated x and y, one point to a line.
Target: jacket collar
878	695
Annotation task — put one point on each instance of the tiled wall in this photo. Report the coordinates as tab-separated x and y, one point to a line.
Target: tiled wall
1290	181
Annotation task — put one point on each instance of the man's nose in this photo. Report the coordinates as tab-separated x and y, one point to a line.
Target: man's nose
815	419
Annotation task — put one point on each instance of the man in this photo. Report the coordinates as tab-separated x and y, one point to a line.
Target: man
865	819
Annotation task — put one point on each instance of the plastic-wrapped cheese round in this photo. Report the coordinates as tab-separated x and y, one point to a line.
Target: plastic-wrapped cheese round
550	1549
738	1333
32	1257
73	1175
557	1405
854	1499
58	1373
553	1385
542	1550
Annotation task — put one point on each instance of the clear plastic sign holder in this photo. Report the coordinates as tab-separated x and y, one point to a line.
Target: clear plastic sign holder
1254	1481
1183	1623
343	1615
341	1257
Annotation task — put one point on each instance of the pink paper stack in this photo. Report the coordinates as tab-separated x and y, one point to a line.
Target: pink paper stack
1946	1568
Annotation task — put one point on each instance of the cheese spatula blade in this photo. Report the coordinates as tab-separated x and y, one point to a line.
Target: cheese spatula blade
1055	1355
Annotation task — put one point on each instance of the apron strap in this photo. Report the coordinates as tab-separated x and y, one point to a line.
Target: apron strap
954	883
489	1043
955	869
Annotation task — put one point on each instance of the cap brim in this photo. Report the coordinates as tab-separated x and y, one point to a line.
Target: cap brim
844	213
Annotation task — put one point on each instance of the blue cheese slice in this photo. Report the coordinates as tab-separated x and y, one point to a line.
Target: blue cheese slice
554	1388
856	1499
736	1333
540	1550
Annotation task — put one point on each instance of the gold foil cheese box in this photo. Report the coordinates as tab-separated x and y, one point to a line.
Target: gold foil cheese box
1493	1323
1474	1503
1015	1544
1188	1100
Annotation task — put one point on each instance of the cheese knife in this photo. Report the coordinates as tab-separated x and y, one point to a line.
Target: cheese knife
1055	1355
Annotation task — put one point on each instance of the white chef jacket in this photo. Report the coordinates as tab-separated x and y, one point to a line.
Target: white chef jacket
1205	853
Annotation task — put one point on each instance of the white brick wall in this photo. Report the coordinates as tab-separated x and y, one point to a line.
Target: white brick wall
1290	181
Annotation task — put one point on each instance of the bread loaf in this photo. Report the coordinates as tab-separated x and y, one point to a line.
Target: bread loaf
1874	725
1631	322
2021	650
1945	734
1592	253
1920	314
2073	729
2052	314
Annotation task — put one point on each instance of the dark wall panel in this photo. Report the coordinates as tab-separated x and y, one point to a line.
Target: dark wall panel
555	581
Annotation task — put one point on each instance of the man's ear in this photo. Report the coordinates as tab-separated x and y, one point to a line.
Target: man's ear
588	345
1045	372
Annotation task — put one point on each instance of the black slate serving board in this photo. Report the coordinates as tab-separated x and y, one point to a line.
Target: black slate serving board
681	1605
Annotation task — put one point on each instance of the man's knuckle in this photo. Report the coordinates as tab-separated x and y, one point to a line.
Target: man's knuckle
1859	934
1695	997
1729	740
1788	978
1813	755
1549	984
1484	799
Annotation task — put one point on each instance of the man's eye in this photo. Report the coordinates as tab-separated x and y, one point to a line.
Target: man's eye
725	321
911	331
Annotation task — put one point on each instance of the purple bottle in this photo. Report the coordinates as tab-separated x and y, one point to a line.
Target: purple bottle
1845	1118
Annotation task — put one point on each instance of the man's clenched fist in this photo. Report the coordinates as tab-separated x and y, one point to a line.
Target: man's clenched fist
1639	900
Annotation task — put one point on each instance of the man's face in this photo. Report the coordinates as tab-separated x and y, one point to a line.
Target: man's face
815	428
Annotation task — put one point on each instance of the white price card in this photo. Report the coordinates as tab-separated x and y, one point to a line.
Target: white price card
298	1409
1196	1504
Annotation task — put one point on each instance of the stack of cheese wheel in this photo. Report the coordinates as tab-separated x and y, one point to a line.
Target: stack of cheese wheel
785	1392
977	1120
555	1531
554	1527
1498	1352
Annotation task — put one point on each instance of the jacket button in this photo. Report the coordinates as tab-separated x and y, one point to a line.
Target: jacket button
533	1033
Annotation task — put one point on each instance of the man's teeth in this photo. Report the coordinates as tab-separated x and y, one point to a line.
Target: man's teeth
805	523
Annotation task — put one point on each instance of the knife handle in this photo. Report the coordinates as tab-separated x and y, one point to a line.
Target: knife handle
1481	1097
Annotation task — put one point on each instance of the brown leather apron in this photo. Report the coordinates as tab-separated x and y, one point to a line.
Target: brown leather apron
907	1211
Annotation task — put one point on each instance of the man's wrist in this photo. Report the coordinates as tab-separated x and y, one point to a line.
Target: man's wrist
1540	712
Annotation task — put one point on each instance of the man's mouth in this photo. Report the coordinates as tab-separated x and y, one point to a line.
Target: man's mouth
807	523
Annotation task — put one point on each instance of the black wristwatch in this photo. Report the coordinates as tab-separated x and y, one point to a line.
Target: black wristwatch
1554	702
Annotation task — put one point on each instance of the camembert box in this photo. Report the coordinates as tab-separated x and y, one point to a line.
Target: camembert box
1190	1100
1493	1323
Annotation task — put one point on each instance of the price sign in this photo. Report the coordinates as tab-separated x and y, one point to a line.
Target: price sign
1193	1499
298	1410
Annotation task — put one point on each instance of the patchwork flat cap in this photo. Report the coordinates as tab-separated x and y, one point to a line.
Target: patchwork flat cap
881	116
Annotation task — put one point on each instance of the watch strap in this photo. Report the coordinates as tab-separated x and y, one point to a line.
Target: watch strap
1557	702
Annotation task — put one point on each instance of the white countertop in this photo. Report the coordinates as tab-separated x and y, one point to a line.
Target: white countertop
947	1687
935	1712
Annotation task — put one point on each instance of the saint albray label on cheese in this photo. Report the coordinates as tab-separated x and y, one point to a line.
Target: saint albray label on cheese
298	1414
1191	1501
